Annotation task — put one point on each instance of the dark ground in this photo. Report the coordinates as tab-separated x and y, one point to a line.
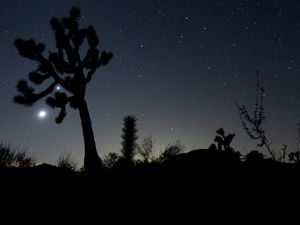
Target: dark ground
184	187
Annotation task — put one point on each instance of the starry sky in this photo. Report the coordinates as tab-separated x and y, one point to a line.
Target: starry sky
178	66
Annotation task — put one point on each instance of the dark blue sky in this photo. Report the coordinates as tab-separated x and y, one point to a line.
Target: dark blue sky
179	66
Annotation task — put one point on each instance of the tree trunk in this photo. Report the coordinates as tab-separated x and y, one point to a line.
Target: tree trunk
92	161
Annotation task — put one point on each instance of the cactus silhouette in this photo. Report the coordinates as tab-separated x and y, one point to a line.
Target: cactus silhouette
129	138
70	70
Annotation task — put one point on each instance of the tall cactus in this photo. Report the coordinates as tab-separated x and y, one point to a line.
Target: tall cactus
129	138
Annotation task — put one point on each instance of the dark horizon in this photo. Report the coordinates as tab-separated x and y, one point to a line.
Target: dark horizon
178	67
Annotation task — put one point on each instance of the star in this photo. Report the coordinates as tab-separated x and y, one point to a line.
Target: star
42	114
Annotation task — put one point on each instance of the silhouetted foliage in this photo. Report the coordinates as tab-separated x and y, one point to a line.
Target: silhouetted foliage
281	155
66	161
253	124
172	150
254	157
145	149
12	157
223	141
223	144
111	160
67	68
295	156
129	138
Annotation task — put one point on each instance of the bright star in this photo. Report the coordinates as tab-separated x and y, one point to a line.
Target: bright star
42	114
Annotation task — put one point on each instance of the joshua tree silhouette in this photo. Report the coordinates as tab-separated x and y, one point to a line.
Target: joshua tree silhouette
223	141
68	69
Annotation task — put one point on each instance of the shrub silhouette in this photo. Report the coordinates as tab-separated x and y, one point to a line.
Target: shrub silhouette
172	150
12	157
254	157
254	124
67	68
145	149
129	138
111	160
65	161
295	156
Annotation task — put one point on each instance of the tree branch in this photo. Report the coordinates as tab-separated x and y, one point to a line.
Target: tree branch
73	56
104	59
56	77
90	75
45	92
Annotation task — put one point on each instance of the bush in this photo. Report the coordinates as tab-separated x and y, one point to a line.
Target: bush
172	150
65	161
294	157
13	157
254	157
145	149
111	160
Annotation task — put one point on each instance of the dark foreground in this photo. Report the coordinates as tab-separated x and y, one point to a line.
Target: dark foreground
177	188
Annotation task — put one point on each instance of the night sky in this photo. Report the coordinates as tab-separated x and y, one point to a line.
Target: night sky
179	67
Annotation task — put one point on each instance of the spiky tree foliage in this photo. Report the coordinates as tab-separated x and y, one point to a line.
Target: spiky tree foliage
223	141
67	68
129	138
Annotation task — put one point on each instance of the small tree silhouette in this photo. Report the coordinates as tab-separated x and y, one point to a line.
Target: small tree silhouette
223	145
68	69
145	148
223	141
253	125
129	137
